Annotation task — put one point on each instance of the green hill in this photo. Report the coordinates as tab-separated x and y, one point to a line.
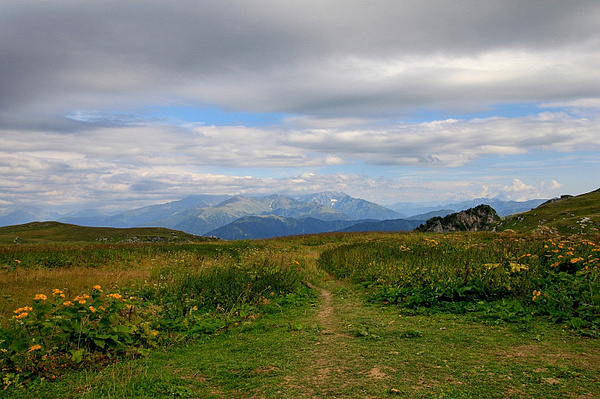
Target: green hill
47	232
566	215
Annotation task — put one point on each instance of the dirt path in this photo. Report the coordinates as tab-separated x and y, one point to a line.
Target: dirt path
335	366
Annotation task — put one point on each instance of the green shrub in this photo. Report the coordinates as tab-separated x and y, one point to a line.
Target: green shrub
55	333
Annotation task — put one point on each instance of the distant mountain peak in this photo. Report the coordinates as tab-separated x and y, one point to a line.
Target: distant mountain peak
355	208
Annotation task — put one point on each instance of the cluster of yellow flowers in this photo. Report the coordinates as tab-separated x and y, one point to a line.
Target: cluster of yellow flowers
565	252
536	294
81	298
431	242
22	312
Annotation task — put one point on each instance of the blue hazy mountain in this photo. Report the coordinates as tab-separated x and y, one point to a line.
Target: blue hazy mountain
355	208
257	227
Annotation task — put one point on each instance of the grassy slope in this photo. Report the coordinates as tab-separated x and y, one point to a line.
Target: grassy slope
579	214
48	232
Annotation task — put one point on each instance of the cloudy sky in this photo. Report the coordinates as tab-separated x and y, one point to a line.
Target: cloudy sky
121	104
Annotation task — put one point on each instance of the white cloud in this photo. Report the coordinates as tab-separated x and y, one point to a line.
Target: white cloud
520	191
517	186
154	160
555	185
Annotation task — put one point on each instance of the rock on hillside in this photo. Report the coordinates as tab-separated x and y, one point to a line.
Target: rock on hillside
472	219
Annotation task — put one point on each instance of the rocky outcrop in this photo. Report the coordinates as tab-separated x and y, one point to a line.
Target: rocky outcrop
473	219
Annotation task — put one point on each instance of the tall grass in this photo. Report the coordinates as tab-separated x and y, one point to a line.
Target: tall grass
165	294
502	276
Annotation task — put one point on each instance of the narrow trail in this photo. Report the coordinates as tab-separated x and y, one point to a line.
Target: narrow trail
328	362
336	366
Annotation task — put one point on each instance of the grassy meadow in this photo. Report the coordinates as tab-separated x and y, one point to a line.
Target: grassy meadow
414	315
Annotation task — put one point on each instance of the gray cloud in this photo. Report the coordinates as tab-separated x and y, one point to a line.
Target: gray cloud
304	57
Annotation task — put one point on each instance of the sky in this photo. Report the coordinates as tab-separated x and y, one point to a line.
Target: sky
120	104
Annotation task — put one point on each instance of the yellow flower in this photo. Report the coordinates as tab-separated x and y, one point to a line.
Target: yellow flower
23	309
68	303
57	292
92	309
575	260
40	297
21	316
34	348
81	298
17	261
114	296
97	288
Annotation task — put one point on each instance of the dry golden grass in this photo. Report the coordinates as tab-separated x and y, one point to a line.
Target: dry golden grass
20	286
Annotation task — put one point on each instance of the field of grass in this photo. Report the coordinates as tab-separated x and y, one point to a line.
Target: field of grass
411	315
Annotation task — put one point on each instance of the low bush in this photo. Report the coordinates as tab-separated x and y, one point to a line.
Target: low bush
54	333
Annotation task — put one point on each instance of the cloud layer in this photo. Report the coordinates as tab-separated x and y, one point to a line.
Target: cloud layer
371	97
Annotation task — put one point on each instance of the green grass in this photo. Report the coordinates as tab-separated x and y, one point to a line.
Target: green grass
575	215
53	232
358	351
496	276
322	316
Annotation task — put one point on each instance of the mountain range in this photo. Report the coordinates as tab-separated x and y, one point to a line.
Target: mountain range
566	215
210	214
